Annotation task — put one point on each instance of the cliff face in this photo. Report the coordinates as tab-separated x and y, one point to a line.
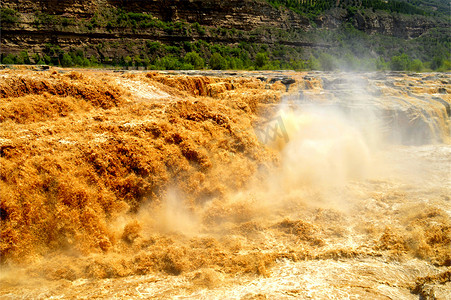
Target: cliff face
380	22
248	16
79	8
398	25
243	15
238	14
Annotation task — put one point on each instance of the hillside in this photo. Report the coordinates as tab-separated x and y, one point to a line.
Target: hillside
289	34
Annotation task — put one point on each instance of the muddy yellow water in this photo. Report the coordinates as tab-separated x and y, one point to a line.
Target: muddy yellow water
224	186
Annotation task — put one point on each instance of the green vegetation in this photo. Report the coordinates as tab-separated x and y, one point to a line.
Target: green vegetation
219	57
350	49
9	59
217	62
53	20
401	62
114	18
343	48
312	8
194	61
8	16
21	58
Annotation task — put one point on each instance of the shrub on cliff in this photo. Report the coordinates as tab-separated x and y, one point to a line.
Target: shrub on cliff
195	60
327	62
199	28
440	63
9	59
67	61
313	63
261	59
235	63
400	62
416	65
8	16
168	63
217	62
93	60
23	58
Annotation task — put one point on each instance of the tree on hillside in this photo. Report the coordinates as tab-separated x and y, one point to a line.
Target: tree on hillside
217	62
400	62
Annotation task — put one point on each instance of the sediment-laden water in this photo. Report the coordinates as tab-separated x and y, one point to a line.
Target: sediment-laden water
239	186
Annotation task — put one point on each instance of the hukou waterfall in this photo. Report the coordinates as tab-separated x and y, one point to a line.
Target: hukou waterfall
219	185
